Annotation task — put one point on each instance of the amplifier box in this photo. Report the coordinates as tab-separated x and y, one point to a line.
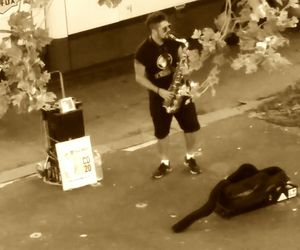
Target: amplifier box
63	126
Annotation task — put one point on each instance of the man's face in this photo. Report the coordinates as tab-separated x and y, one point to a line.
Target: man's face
163	29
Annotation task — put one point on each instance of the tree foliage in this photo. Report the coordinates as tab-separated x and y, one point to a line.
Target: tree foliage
255	27
23	77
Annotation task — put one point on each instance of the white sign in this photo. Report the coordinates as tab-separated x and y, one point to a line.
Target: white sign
76	163
5	5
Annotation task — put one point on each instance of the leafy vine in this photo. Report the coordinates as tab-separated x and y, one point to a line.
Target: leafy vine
23	77
256	26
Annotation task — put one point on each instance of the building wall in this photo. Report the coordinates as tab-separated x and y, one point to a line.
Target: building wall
110	42
88	14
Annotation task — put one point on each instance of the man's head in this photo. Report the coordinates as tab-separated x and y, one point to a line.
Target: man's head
158	24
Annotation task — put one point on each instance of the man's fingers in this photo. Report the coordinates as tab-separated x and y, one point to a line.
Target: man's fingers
170	96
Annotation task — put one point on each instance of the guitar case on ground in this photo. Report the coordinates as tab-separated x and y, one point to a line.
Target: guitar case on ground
244	190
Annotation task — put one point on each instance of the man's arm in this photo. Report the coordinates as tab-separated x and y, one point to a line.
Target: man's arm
140	77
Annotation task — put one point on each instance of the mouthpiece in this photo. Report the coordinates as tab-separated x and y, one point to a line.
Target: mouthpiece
180	40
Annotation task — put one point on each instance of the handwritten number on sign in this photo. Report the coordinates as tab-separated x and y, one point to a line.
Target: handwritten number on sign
86	163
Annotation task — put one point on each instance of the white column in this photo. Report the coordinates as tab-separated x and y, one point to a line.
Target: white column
56	19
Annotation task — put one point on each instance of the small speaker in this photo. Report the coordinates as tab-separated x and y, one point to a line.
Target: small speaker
63	126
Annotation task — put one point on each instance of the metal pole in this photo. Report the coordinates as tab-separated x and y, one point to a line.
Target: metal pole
63	94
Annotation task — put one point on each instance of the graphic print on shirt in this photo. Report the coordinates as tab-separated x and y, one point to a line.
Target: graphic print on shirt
164	63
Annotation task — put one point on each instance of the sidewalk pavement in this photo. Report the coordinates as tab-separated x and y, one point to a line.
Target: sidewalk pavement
131	211
116	113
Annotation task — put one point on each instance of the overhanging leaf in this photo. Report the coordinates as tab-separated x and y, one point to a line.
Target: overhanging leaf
4	104
18	98
294	4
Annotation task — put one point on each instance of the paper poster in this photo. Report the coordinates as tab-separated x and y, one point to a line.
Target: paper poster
76	163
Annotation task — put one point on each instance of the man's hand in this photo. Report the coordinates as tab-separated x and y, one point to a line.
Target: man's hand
165	94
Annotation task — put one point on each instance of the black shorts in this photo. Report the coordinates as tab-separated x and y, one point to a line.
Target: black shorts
186	117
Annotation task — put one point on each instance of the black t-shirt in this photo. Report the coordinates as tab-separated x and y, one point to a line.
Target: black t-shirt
159	60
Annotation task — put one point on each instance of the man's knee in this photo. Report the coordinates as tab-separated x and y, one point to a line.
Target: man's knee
161	134
192	129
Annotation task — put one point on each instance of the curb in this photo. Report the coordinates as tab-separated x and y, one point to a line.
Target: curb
136	142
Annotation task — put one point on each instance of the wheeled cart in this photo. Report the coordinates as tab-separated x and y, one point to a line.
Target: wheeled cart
59	126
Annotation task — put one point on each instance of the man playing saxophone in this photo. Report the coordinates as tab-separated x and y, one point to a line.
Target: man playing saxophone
156	61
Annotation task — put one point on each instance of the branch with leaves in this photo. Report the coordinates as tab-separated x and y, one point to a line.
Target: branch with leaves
256	27
23	77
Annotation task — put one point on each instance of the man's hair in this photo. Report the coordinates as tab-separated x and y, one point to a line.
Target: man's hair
155	18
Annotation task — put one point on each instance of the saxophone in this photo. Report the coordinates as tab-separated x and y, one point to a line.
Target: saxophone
178	81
